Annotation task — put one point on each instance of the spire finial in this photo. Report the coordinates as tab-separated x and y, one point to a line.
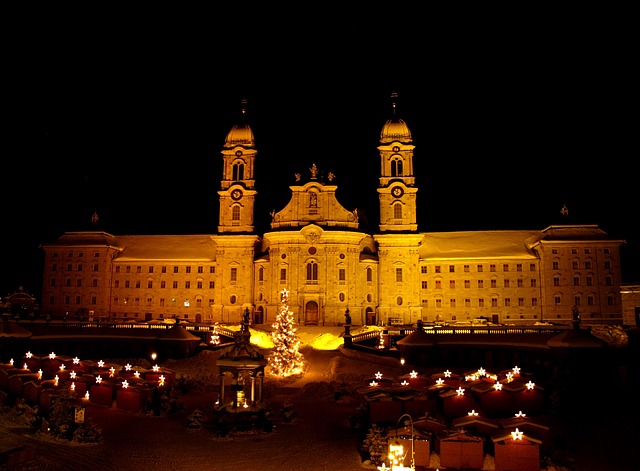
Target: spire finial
394	97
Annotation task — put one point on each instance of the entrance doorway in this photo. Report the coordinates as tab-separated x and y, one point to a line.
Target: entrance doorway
258	315
311	313
371	316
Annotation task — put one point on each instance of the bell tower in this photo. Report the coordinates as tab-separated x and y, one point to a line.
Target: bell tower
237	193
396	192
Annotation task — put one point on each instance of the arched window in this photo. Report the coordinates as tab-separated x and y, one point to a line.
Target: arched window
369	275
238	171
397	211
312	272
396	168
235	213
261	274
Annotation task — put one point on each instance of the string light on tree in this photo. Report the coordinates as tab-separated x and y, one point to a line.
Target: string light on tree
285	359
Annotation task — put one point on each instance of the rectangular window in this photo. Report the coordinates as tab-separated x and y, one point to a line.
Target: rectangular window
175	269
467	302
116	284
200	269
520	302
138	269
127	284
492	267
574	251
481	302
532	267
161	302
534	301
78	300
576	300
494	302
149	284
438	303
137	283
188	269
494	283
342	274
587	265
518	266
199	286
398	275
163	284
283	275
424	284
557	300
480	268
507	302
556	281
212	269
467	283
610	301
52	282
79	282
575	265
556	265
187	285
96	267
505	267
164	269
520	283
534	282
438	284
576	281
94	300
480	284
466	268
94	283
590	300
175	285
234	275
423	269
151	269
452	303
589	280
437	268
452	284
79	266
506	283
212	285
452	268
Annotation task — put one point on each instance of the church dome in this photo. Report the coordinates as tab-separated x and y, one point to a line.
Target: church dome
395	129
240	135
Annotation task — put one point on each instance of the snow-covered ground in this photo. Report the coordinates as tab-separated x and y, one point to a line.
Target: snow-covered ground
320	437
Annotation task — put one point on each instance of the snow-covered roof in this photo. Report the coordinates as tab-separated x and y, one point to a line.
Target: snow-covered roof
167	247
477	245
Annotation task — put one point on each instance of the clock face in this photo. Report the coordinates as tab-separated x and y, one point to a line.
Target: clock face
397	191
236	194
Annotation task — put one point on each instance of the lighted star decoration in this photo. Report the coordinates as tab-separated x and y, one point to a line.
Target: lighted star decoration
373	383
440	381
498	386
156	368
509	376
125	384
482	372
112	371
405	383
55	380
413	374
101	363
136	374
516	370
40	374
28	354
86	396
52	356
11	362
473	413
98	379
530	385
447	374
493	377
460	391
76	361
127	367
521	414
470	378
25	366
62	367
73	386
378	375
517	434
161	380
72	375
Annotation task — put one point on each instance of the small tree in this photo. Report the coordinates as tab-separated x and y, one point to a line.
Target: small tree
286	359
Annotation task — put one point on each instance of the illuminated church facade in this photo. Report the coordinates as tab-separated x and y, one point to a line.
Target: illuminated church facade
316	250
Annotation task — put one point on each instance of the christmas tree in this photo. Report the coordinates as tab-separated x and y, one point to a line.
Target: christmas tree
286	359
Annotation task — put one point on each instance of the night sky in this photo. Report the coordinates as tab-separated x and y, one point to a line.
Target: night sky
127	114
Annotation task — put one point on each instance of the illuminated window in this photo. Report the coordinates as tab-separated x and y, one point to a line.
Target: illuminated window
397	211
235	213
312	272
557	300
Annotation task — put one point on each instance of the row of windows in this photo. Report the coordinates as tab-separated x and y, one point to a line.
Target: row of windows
79	266
575	251
162	302
479	268
163	269
128	284
80	254
533	283
507	302
588	265
577	280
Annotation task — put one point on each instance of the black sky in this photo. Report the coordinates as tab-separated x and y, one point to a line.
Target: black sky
126	114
